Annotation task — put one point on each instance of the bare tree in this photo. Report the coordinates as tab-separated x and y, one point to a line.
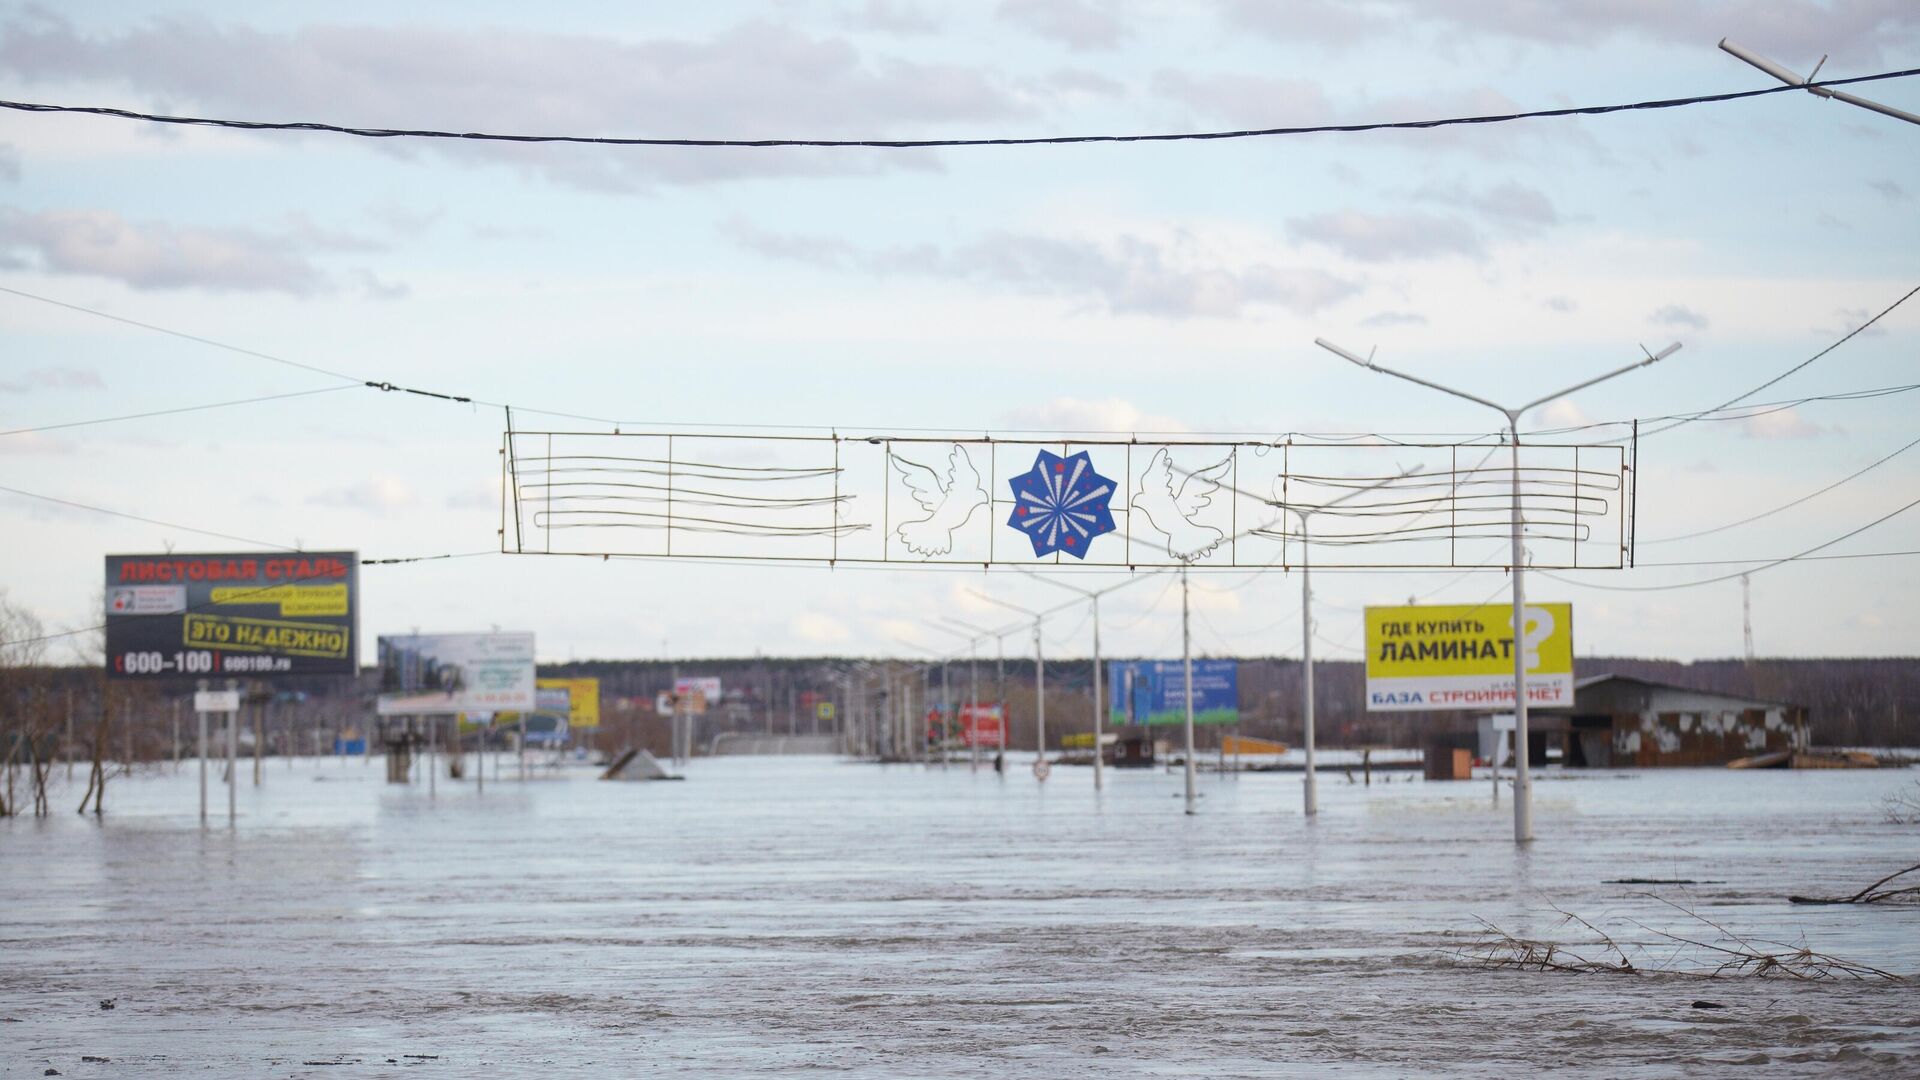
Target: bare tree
23	701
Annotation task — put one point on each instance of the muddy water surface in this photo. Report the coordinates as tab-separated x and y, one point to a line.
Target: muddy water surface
786	915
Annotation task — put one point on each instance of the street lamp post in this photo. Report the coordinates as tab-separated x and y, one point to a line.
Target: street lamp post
1523	777
973	690
1099	712
999	670
1306	626
945	699
1039	683
1791	79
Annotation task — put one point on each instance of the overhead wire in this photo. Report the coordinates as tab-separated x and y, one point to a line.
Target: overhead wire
1736	399
1783	506
1742	573
920	144
247	590
1377	438
175	412
148	520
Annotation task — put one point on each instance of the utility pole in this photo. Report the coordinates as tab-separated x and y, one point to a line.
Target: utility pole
1523	777
1746	614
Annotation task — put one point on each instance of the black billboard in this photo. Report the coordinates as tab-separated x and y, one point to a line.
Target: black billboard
252	614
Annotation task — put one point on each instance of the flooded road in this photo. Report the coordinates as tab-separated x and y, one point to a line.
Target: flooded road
778	915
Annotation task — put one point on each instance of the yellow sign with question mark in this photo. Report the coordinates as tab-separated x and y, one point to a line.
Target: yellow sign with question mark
1460	656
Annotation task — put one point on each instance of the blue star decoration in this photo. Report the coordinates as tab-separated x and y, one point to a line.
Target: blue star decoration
1061	504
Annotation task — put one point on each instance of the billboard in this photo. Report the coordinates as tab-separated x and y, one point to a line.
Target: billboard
1460	656
983	725
695	693
1155	692
579	699
250	614
452	673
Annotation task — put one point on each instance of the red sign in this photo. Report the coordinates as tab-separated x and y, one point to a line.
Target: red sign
983	725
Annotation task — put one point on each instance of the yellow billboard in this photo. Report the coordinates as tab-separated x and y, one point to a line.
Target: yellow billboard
581	700
1460	656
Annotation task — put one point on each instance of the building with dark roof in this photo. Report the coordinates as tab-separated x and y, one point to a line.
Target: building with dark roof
1622	721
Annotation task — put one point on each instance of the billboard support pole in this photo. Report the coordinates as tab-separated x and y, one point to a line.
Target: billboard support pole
259	739
1522	773
233	758
202	717
1186	660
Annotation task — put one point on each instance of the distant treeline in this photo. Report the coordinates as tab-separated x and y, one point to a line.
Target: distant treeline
1849	702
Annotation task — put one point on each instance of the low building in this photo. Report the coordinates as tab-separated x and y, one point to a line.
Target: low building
1621	721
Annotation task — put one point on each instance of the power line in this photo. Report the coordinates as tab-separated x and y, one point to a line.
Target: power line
182	335
148	520
175	412
1744	412
265	588
1729	577
1848	336
1388	439
228	536
1783	506
1809	558
918	144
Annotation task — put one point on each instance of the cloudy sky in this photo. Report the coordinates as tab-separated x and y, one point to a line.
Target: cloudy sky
1138	287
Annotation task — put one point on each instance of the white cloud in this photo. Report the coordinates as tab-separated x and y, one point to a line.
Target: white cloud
163	255
1512	205
1180	277
1254	100
1862	30
892	17
1384	237
1561	413
1780	424
1678	315
34	442
1394	318
53	378
375	493
1067	414
813	628
1077	24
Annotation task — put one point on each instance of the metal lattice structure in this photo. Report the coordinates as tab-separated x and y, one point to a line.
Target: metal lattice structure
1126	503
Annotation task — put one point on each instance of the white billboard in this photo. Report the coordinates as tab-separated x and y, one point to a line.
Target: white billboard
454	673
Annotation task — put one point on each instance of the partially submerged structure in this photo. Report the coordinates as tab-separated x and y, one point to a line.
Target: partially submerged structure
1620	720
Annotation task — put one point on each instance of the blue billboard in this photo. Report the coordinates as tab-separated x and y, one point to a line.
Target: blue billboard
1155	692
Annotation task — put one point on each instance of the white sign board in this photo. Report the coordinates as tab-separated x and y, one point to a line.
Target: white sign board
216	701
427	674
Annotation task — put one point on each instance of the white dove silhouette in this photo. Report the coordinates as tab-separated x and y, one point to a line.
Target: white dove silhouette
1171	501
948	505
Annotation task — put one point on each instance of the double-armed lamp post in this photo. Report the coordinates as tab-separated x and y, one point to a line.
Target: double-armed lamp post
1523	777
